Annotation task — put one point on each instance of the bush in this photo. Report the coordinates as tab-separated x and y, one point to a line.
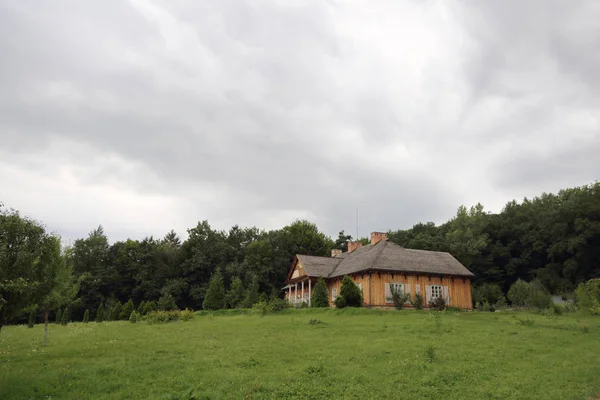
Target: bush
399	298
215	294
320	295
492	308
235	295
66	317
439	303
31	321
271	306
127	309
340	302
86	316
519	293
351	293
587	296
58	316
161	317
488	291
100	314
500	304
418	302
167	303
485	306
540	298
251	294
186	315
115	311
134	317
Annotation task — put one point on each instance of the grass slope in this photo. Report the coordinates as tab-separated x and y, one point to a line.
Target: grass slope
353	354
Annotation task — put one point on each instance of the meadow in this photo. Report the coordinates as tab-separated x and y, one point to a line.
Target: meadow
309	354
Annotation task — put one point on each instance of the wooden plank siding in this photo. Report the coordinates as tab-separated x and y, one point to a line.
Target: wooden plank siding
374	283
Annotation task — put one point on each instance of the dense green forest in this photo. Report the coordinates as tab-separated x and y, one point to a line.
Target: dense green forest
554	238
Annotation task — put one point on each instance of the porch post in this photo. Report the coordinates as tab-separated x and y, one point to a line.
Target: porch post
309	291
302	291
290	293
296	293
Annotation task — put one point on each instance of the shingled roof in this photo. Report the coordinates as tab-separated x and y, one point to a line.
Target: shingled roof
384	256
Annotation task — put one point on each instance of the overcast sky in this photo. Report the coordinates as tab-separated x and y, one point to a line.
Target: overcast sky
145	116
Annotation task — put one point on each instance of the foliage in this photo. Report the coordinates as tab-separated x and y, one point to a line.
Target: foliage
161	317
487	292
272	305
235	294
86	316
540	298
438	303
587	296
519	293
342	241
31	321
340	302
399	298
165	303
351	293
251	294
58	318
417	302
485	306
28	261
127	309
134	316
215	295
146	307
100	314
320	295
66	317
115	309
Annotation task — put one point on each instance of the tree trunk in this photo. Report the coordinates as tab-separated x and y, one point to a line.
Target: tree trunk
46	327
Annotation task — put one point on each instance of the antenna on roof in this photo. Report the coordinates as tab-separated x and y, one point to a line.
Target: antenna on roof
357	238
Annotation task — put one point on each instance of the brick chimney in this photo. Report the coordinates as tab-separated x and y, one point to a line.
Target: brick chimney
335	252
353	246
377	237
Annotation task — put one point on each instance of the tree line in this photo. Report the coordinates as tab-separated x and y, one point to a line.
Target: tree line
553	239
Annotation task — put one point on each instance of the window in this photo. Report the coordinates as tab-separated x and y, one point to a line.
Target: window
333	294
389	286
436	291
359	286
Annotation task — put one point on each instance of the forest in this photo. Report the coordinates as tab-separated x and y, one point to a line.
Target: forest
553	238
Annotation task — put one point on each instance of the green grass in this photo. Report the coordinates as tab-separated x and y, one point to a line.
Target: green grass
341	354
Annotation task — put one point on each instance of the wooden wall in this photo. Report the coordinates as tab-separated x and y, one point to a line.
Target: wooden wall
459	289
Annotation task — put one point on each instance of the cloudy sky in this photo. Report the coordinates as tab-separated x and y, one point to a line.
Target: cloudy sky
149	115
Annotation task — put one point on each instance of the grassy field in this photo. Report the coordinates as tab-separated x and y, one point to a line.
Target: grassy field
352	354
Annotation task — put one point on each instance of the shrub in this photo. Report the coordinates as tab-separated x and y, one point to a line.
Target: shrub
340	302
351	293
58	316
66	317
500	304
134	316
186	315
485	306
492	308
587	296
417	303
161	317
276	304
127	309
488	291
320	295
100	314
519	293
31	321
398	297
167	303
439	303
86	316
304	305
215	294
540	298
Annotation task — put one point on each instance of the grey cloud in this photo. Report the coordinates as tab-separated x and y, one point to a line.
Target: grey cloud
277	110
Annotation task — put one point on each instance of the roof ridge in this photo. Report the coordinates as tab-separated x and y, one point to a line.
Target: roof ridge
379	251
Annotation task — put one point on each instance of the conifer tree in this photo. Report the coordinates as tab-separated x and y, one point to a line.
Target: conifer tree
127	309
100	313
215	295
166	303
251	296
351	293
320	296
86	316
235	295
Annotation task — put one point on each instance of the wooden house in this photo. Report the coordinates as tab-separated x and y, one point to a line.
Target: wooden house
376	266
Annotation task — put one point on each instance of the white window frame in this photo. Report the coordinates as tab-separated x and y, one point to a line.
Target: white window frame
333	294
396	285
360	286
436	291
